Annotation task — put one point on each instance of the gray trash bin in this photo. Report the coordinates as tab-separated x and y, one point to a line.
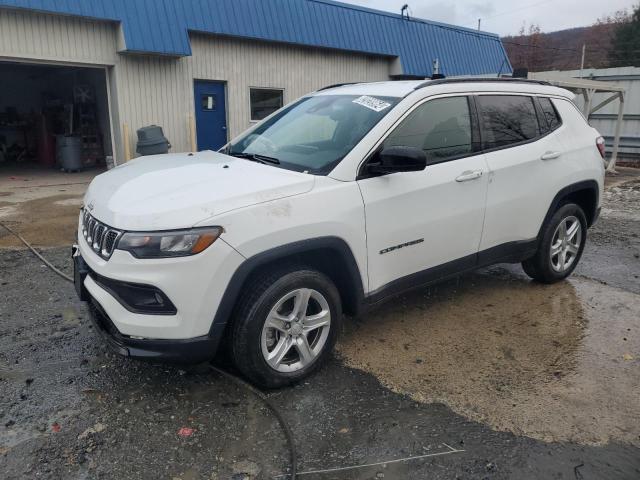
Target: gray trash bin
151	141
70	153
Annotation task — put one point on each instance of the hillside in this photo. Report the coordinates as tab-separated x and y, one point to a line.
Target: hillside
561	50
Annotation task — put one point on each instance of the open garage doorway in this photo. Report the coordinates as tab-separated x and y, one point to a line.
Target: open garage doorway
53	117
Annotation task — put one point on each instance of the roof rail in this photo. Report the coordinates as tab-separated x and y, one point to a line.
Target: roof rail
441	81
335	85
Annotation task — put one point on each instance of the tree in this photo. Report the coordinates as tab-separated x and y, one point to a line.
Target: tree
527	48
626	43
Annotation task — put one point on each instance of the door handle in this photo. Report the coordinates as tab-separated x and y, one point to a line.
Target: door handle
550	155
469	175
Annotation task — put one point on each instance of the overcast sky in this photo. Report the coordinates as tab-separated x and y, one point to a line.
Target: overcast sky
506	16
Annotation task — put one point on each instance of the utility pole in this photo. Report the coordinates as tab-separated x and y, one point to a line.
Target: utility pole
479	24
582	61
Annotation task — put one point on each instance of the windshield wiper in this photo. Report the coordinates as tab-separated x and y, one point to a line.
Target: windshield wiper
256	157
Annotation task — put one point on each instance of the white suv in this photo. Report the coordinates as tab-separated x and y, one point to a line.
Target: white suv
332	204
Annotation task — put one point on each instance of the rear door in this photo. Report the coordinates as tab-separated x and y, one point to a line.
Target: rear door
524	156
422	225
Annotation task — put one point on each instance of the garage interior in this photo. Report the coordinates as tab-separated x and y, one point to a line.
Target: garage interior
53	116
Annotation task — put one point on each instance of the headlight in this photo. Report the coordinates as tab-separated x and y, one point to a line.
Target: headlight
176	243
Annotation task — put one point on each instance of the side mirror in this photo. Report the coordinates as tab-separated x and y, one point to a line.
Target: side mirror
398	159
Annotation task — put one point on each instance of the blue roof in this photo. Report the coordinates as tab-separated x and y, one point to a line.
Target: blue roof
162	26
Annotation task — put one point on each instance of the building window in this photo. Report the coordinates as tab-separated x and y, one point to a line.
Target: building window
264	101
208	102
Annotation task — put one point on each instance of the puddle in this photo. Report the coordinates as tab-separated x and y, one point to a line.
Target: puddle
554	362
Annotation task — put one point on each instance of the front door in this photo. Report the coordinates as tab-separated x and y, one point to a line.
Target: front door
429	222
211	116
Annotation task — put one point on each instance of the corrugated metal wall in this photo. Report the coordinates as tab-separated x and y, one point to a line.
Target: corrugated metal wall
163	26
35	36
154	89
160	90
605	119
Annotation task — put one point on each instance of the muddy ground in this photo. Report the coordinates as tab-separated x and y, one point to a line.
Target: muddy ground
487	376
41	205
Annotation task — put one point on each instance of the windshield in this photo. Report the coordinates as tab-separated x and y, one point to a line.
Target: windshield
313	134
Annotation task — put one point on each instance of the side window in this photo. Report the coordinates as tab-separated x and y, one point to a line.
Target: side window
440	127
507	119
550	115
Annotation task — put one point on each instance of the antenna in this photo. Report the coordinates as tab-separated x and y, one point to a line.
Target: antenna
405	9
436	75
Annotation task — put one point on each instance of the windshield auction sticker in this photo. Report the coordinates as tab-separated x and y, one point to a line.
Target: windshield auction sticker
372	103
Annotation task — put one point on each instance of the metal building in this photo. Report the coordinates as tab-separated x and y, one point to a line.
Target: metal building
202	69
606	118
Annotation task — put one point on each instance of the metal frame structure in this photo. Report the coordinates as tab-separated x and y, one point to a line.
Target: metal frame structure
588	88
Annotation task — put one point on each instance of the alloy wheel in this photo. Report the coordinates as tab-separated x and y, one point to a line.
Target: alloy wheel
296	330
565	244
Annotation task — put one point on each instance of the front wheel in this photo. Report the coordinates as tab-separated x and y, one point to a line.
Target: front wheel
286	326
561	246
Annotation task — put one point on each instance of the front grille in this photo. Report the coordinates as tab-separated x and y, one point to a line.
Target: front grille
100	237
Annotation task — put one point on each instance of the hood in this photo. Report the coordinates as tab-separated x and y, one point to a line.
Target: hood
164	192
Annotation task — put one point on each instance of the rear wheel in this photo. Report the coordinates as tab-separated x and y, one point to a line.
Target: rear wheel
286	326
561	246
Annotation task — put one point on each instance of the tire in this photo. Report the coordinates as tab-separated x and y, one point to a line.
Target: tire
550	267
279	295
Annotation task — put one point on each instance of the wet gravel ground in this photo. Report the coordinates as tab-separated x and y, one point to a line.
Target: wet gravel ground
467	401
613	253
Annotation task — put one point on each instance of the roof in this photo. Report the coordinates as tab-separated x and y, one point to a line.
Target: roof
404	88
162	26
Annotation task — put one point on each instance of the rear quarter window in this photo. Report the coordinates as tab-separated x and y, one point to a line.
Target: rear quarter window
550	114
507	120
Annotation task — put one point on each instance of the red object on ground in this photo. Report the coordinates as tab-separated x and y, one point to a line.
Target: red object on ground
56	427
186	432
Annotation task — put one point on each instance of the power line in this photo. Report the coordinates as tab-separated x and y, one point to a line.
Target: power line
540	46
572	50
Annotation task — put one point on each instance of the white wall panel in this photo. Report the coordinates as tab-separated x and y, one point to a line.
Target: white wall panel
28	35
159	90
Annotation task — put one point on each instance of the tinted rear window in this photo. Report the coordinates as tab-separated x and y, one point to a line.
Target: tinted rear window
507	119
550	115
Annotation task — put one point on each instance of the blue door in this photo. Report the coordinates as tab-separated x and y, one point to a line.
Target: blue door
211	117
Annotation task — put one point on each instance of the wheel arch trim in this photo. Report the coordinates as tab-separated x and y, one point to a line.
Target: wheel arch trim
283	252
590	185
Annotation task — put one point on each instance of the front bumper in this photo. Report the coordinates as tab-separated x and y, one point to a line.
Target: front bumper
194	285
191	350
186	351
